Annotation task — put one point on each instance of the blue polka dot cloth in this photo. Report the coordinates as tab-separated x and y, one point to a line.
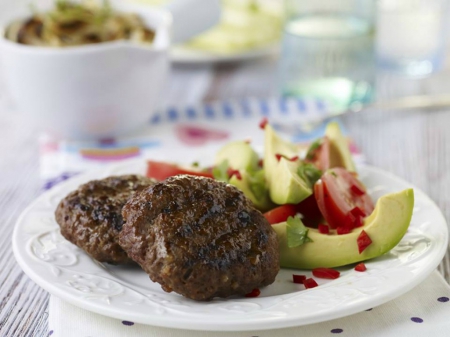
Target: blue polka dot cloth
423	311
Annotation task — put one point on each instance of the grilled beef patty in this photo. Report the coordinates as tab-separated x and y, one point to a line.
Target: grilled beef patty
91	216
200	237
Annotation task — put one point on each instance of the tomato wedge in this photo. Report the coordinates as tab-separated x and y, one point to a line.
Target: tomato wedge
281	213
311	215
340	204
160	170
319	154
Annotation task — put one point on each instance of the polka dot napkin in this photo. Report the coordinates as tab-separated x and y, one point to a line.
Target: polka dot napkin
424	311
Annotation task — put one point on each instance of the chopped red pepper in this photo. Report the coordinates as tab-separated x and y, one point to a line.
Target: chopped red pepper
263	123
356	211
298	278
363	241
360	267
254	293
235	173
261	163
327	273
343	230
310	283
323	229
357	190
279	156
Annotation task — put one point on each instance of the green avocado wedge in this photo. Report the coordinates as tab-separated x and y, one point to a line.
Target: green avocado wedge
386	226
340	155
240	156
285	185
254	187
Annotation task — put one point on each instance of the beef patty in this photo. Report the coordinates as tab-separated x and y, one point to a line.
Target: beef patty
200	237
91	216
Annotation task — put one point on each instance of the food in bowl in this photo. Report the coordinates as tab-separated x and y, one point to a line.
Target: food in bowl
74	24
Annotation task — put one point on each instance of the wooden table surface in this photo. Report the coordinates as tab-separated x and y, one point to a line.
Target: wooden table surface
414	145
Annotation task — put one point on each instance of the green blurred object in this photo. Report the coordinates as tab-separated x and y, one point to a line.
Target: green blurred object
328	52
245	25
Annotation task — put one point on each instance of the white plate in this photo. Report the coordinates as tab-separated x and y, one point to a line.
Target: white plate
127	293
184	55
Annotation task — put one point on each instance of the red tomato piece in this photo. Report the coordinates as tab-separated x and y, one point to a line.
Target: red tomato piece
327	273
310	283
360	267
336	200
254	293
161	170
320	156
280	214
308	208
298	278
323	229
363	241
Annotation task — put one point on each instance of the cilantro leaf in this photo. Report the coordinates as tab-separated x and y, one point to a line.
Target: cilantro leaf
313	148
309	173
296	232
220	172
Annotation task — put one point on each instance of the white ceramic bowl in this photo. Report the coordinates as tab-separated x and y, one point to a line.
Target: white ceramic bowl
93	91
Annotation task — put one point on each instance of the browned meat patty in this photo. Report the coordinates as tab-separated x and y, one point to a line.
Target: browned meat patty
200	238
91	216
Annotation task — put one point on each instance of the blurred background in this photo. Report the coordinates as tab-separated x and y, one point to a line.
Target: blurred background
347	53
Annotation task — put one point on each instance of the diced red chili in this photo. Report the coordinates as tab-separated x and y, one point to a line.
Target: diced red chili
235	173
343	230
363	241
261	163
349	221
357	190
298	278
263	123
323	229
254	293
356	211
327	273
279	156
358	222
310	283
360	267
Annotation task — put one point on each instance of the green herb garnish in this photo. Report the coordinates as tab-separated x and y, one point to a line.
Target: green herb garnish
309	173
296	232
312	148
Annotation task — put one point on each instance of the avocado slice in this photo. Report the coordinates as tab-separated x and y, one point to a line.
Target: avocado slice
386	226
340	155
240	156
285	185
255	188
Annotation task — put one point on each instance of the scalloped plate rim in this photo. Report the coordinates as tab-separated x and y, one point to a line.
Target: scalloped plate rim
263	323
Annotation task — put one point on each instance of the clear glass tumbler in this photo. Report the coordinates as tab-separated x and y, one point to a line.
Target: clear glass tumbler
411	35
328	51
